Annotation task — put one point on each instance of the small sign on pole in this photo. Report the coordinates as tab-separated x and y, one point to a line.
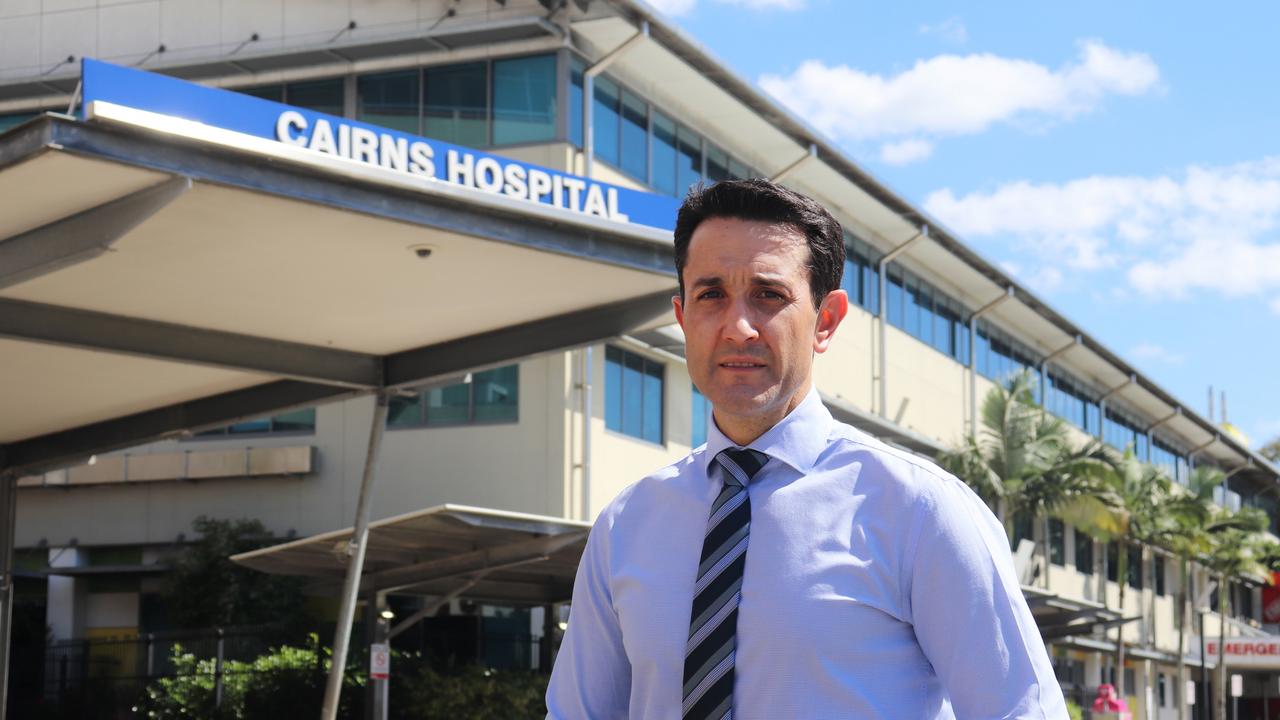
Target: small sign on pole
1237	685
1191	692
380	661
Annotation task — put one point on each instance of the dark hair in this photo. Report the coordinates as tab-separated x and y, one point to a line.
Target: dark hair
764	201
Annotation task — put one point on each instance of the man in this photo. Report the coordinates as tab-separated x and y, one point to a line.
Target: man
793	567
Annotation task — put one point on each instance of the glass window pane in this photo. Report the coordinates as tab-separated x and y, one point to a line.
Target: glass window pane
739	171
717	164
701	418
266	92
497	394
850	277
296	421
575	101
613	389
404	411
664	154
913	306
926	313
689	160
605	119
653	402
633	395
260	425
320	95
524	100
455	107
389	99
895	293
1057	541
1084	552
449	405
8	121
870	286
635	137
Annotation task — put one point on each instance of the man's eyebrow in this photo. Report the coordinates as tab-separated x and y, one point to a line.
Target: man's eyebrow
757	280
712	281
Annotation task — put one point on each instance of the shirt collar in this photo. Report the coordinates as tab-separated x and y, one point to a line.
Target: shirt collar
797	440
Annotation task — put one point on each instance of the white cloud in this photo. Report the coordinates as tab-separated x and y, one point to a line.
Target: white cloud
675	8
905	152
1275	305
952	30
1215	228
958	94
1156	353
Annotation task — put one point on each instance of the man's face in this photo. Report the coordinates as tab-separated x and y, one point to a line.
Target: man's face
750	325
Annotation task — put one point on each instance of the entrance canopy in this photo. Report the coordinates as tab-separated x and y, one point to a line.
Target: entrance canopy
501	557
158	277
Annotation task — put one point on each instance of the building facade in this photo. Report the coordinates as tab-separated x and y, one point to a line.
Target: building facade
608	90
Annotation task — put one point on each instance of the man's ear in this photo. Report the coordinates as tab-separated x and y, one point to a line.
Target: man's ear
830	312
677	304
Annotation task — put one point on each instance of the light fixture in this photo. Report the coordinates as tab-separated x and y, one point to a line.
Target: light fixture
422	251
387	614
564	626
93	459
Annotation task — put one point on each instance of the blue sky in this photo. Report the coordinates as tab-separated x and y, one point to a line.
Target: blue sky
1121	159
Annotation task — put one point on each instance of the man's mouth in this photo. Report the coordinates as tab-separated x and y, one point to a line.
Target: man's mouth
741	365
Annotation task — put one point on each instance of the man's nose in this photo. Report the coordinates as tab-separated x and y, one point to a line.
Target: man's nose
740	325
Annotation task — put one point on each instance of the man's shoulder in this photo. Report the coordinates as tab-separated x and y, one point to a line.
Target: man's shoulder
658	487
880	462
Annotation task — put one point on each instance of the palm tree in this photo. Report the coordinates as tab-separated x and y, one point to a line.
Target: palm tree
1235	551
1134	503
1024	461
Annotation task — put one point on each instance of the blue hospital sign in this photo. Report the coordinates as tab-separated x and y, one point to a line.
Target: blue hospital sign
425	158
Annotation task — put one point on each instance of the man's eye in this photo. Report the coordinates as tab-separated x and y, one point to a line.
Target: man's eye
710	295
771	294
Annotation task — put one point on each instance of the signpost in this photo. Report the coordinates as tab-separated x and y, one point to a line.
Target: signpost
380	661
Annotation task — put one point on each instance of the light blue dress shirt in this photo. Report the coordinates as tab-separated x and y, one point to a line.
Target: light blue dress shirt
876	586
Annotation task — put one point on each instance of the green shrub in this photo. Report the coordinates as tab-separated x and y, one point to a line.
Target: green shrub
475	693
1074	710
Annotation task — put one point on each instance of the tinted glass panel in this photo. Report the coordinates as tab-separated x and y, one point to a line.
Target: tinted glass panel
404	411
575	102
664	154
1057	541
605	119
496	393
633	395
1084	552
739	171
456	107
653	402
894	293
613	389
524	100
296	421
320	95
8	121
261	425
266	92
701	418
449	405
389	99
689	160
717	164
635	137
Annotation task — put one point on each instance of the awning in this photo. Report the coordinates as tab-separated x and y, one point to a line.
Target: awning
1059	617
500	556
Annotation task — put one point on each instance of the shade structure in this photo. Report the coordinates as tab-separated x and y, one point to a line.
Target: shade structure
154	282
504	557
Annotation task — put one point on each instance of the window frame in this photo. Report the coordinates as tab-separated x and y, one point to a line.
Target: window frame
423	420
621	395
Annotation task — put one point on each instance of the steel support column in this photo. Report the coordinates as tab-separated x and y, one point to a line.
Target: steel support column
82	236
8	517
355	551
1044	364
1102	405
973	357
884	316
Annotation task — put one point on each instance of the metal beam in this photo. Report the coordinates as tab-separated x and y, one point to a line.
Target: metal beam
1102	404
973	356
553	334
47	452
432	607
588	94
82	236
37	322
1177	412
785	172
1044	363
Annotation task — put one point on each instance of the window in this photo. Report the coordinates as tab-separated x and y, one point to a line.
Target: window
390	100
1135	567
1159	575
296	421
1113	562
664	154
1023	528
524	100
701	418
324	96
576	70
717	164
605	119
9	121
688	160
492	396
456	107
634	137
1084	552
633	394
1057	541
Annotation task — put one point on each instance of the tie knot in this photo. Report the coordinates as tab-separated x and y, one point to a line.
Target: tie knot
742	464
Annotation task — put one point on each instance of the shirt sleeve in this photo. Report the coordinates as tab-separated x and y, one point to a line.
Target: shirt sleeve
969	614
592	675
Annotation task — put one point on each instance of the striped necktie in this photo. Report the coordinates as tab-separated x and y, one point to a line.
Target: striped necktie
713	623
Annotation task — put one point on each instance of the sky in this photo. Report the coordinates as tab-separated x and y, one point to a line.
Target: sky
1121	159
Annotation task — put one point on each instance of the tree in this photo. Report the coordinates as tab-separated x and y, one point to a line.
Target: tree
1024	459
206	589
1236	550
1271	450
